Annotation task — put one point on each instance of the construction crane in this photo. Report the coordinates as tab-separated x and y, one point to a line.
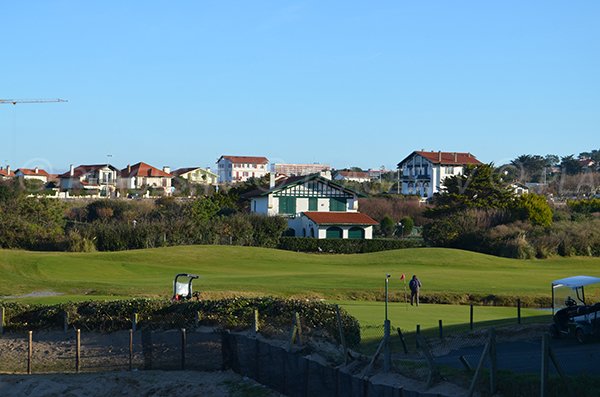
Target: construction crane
15	101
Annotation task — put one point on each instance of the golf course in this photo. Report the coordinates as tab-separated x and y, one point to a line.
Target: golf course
356	282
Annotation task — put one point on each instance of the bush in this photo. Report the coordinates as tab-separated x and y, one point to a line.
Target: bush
237	313
345	246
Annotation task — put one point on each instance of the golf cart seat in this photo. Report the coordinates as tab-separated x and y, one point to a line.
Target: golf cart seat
182	286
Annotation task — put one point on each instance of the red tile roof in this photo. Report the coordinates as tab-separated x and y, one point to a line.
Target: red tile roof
340	218
5	173
84	169
449	158
246	159
354	174
28	171
143	169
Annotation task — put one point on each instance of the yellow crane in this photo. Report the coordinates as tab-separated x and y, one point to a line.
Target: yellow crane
15	101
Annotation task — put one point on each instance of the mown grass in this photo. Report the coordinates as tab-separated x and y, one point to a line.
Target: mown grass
259	271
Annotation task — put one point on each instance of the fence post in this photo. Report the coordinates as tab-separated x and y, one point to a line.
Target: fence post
255	325
544	371
2	313
387	354
519	311
403	341
441	330
342	336
299	326
77	350
65	322
417	334
131	349
493	362
29	351
183	344
471	317
197	318
134	321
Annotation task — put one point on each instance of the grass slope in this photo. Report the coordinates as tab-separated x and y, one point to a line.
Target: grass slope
266	271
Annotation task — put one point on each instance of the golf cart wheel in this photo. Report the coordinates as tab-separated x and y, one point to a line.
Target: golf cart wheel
580	336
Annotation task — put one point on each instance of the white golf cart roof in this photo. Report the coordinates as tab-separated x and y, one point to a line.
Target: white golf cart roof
575	281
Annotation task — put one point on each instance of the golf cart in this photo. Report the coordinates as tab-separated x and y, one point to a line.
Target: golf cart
182	287
571	313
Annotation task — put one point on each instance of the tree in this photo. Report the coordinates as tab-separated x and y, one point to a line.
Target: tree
407	225
570	165
531	167
387	226
533	208
478	187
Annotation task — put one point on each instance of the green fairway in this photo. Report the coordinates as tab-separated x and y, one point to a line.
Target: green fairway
455	318
260	271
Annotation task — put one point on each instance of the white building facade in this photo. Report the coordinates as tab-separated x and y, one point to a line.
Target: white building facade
232	169
101	177
422	173
296	197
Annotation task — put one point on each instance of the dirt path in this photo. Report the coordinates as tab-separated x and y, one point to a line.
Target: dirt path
137	383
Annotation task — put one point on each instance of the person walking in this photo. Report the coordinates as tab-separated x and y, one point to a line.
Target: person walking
415	286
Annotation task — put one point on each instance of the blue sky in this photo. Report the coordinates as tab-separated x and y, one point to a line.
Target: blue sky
345	83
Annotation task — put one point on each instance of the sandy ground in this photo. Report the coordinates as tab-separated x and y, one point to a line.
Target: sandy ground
137	383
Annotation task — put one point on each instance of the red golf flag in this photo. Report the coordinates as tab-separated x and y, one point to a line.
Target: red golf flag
402	277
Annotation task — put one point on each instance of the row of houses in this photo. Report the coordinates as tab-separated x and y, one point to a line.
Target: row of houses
309	196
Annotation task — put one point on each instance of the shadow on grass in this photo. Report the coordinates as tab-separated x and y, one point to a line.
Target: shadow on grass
371	336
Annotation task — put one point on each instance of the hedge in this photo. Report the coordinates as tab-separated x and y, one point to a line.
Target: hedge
236	313
345	246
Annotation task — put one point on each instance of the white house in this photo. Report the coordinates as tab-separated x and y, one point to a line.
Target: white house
100	177
197	175
519	188
299	198
352	176
423	173
32	174
233	169
298	169
145	176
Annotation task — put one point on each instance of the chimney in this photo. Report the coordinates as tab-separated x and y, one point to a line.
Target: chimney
129	168
455	157
440	156
36	170
71	170
325	174
271	180
8	170
167	169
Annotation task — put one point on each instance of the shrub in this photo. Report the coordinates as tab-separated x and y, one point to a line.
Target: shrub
230	313
407	226
345	246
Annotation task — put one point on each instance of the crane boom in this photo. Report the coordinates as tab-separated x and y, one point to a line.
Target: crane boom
15	101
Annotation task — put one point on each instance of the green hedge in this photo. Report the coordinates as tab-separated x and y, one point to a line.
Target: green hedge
345	246
236	313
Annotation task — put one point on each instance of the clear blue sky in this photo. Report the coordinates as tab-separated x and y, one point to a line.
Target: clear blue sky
346	83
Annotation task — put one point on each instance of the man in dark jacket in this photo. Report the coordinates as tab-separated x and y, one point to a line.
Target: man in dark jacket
415	286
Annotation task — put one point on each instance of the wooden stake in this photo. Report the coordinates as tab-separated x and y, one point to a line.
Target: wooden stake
255	325
519	311
131	349
341	330
77	350
441	330
402	340
417	334
471	317
2	313
29	351
183	345
299	327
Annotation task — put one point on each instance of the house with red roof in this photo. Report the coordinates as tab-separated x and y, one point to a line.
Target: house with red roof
6	173
232	169
314	206
91	177
142	176
422	173
32	174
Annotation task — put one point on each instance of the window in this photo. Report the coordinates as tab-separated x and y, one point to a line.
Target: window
287	205
337	204
334	232
313	204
